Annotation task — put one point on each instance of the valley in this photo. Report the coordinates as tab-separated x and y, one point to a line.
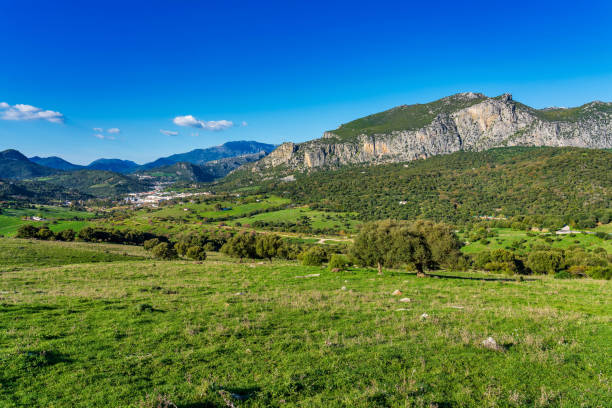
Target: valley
361	276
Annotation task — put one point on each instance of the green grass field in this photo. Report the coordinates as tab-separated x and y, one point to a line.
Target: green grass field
507	237
19	253
319	219
59	218
259	334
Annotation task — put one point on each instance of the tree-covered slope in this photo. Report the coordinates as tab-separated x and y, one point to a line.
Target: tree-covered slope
14	165
37	191
97	183
406	117
545	182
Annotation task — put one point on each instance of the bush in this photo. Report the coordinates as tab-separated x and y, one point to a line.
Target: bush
338	261
392	243
600	272
545	262
66	235
45	234
563	275
196	252
314	256
151	243
241	245
27	231
164	250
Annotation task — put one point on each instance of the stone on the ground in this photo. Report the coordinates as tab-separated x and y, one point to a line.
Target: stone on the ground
491	344
396	292
405	300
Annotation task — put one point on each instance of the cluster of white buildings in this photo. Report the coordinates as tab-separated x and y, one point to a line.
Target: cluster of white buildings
153	198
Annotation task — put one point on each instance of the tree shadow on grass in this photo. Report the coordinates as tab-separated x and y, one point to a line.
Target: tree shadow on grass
473	278
229	394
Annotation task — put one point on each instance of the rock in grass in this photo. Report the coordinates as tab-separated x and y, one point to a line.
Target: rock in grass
424	316
312	275
491	344
396	292
405	300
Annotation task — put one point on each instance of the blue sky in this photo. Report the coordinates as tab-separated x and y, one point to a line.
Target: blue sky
278	71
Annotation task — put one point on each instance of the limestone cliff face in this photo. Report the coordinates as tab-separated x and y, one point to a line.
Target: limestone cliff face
493	122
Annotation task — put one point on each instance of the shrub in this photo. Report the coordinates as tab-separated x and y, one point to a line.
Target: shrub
45	234
164	250
182	248
391	243
563	275
241	245
577	271
151	243
66	235
314	256
196	252
600	272
338	261
545	262
268	245
27	231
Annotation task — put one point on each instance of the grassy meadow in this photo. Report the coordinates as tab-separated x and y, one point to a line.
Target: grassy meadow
97	327
58	218
522	241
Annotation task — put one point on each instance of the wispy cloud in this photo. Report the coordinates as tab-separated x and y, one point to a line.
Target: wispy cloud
190	121
168	132
106	135
243	124
28	112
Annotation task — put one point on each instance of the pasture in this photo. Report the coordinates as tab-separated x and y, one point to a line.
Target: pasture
148	333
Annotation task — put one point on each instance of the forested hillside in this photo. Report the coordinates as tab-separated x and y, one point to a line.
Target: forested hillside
554	184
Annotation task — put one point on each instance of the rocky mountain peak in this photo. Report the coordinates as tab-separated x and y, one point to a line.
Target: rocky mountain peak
464	121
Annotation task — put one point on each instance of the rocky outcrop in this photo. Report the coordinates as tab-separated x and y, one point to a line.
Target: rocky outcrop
492	122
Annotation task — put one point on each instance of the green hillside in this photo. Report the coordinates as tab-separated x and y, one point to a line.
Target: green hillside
559	184
406	117
97	183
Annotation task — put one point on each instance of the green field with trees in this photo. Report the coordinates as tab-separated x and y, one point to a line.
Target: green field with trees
151	333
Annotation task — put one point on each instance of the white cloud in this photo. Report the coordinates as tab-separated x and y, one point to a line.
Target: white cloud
113	130
189	120
168	132
28	112
99	130
104	137
243	124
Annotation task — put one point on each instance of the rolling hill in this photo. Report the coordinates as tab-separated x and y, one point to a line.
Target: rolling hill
97	183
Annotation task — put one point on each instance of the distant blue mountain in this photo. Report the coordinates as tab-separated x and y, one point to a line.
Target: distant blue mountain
116	165
201	156
197	156
55	162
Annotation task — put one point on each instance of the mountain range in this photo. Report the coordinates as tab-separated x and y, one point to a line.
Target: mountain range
197	156
53	178
466	121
